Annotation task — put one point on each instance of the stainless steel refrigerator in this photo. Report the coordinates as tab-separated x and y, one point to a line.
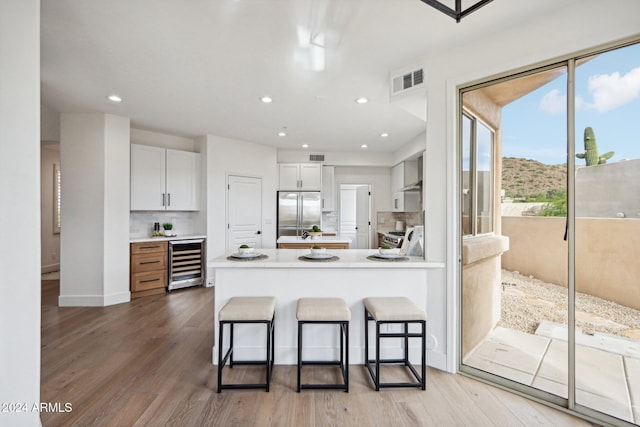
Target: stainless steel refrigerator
298	211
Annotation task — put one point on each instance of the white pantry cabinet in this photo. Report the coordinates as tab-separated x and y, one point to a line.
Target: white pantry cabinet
164	179
300	177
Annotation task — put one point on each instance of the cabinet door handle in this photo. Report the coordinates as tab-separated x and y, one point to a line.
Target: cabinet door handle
150	247
149	262
168	199
395	203
163	199
150	280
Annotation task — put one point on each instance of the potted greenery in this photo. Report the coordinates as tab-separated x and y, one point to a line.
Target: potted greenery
245	249
168	229
315	232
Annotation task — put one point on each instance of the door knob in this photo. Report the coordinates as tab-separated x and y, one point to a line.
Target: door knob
258	232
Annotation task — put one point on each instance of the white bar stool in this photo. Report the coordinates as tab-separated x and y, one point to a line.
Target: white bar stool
332	311
246	310
389	310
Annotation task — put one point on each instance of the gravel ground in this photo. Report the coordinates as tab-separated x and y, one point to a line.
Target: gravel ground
526	301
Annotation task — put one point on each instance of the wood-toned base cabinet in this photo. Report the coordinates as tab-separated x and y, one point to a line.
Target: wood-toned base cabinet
311	244
148	268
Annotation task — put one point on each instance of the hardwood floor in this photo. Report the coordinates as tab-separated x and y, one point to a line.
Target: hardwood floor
148	363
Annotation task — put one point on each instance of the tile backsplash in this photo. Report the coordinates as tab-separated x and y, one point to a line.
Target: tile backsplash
141	223
386	221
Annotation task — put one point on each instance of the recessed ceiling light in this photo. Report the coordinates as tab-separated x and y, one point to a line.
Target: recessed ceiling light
114	98
384	135
364	146
305	145
362	100
266	99
282	133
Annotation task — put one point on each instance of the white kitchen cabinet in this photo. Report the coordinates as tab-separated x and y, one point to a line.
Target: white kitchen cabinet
300	177
403	174
328	188
397	182
164	179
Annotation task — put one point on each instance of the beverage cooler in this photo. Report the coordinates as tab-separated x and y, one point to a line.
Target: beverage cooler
186	263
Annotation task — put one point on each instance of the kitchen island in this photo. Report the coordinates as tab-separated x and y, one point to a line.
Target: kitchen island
283	275
329	242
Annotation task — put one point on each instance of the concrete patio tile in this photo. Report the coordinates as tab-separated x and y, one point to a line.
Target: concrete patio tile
491	366
600	378
514	349
510	354
633	380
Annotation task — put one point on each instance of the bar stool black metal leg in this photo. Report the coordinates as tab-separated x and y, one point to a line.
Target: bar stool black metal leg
268	355
220	365
346	366
406	344
377	381
424	352
231	344
299	354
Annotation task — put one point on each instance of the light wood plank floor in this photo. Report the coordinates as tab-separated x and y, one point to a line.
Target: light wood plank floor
148	363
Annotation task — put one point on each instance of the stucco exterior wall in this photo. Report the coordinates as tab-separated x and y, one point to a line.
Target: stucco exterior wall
611	190
607	253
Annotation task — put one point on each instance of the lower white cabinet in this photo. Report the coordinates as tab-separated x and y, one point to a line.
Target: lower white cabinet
164	179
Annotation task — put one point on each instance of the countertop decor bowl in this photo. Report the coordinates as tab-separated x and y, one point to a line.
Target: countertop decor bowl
390	251
245	251
318	251
315	234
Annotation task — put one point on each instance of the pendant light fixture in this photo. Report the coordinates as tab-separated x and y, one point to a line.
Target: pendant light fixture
458	13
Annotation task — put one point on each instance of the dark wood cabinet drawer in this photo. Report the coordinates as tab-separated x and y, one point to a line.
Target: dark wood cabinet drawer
148	280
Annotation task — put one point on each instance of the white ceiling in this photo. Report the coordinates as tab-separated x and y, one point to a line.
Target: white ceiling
196	67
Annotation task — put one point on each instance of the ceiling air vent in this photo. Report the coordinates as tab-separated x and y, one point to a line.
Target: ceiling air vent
406	80
316	157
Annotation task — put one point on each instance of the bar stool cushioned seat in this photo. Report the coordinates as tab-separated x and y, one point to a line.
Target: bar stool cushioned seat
399	310
325	311
246	310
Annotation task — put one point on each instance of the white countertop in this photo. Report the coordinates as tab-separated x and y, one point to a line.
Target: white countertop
349	258
315	240
163	238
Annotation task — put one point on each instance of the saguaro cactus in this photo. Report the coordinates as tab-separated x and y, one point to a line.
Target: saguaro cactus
590	154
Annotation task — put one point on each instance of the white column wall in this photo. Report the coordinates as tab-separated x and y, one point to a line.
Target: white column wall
514	47
20	213
94	264
116	210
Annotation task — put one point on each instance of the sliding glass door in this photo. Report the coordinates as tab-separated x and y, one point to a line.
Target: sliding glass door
550	233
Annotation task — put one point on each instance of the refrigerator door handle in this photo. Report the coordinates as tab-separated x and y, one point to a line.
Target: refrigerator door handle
301	212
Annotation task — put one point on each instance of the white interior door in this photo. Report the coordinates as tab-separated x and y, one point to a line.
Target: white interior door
363	220
355	214
244	212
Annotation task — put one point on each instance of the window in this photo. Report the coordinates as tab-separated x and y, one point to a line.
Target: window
477	176
56	198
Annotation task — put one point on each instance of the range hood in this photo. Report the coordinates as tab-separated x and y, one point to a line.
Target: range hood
415	186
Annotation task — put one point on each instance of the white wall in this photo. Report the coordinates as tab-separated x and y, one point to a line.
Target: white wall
157	139
234	157
49	124
50	241
94	242
341	158
522	45
20	213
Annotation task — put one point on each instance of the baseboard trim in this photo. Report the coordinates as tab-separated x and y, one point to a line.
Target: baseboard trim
93	300
49	268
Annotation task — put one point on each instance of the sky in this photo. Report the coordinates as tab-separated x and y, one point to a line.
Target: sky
607	100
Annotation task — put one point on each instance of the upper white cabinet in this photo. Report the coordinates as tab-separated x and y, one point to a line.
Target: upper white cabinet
403	174
397	182
300	177
328	188
164	179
